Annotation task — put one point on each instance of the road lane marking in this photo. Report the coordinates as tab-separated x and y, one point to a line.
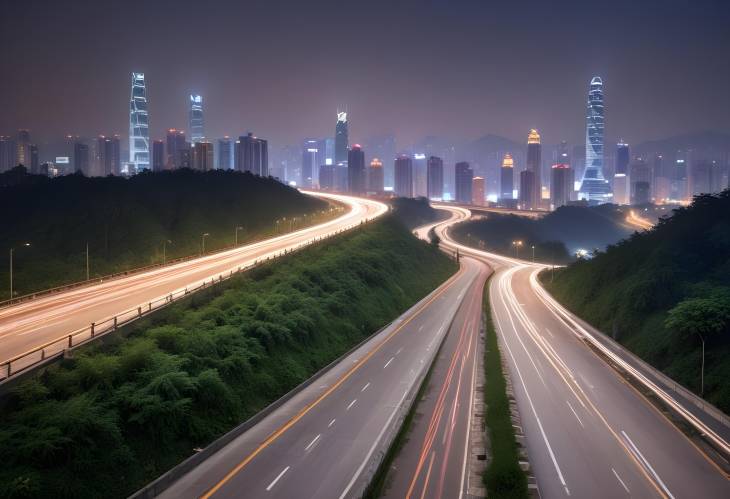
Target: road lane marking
351	404
420	328
646	463
314	440
399	350
278	477
388	363
621	481
575	414
331	423
365	387
465	486
548	332
428	475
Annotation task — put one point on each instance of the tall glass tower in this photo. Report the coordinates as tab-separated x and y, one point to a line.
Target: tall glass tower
341	140
594	187
139	135
196	118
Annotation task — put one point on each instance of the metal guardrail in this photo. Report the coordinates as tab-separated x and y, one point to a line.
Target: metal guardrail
59	347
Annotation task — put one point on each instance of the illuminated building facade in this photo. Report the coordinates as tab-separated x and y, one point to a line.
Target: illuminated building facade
594	187
507	177
195	115
376	177
534	162
341	138
139	135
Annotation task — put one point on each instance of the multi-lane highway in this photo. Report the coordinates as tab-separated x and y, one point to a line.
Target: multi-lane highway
327	440
29	324
589	434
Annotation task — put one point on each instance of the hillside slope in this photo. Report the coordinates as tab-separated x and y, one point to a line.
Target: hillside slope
126	221
660	291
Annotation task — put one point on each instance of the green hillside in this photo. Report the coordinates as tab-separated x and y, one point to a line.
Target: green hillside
660	291
126	222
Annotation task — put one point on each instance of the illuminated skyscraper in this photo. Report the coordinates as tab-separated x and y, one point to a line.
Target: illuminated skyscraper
225	151
376	177
561	185
158	155
403	170
477	191
312	157
202	156
356	170
622	157
22	144
507	177
177	149
594	187
341	138
252	155
195	115
435	177
463	177
534	162
139	135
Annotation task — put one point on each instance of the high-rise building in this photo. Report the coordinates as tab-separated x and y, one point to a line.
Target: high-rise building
534	164
463	176
528	188
621	189
356	170
561	185
139	135
252	155
376	177
341	138
202	159
640	176
34	166
327	177
420	181
158	156
435	177
594	187
507	177
383	147
680	183
700	177
225	153
661	182
81	158
477	191
312	157
107	160
622	157
22	144
195	116
8	154
403	170
177	146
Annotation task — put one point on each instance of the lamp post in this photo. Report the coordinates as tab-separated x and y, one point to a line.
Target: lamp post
702	372
164	250
236	236
533	253
517	245
11	269
205	234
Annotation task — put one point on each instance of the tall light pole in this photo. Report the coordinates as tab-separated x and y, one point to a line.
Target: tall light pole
517	245
205	234
164	250
236	236
702	372
11	269
533	253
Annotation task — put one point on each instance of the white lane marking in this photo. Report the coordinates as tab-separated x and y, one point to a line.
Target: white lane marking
278	477
399	350
351	404
646	464
331	423
465	486
372	447
575	414
548	332
314	440
621	481
420	329
388	363
534	413
365	387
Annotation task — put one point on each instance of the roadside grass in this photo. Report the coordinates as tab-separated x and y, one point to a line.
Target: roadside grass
503	477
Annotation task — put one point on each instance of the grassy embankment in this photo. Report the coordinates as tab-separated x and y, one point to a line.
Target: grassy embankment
659	292
503	477
555	236
121	413
130	223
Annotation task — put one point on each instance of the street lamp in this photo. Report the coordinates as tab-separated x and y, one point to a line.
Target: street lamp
517	245
236	236
11	269
533	253
164	250
205	234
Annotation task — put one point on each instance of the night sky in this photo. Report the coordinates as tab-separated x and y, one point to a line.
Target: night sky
453	68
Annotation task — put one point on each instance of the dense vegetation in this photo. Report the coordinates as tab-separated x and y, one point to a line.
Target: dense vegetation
556	236
126	221
415	212
504	478
119	414
661	291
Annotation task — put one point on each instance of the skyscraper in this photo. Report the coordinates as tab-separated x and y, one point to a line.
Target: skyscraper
195	115
225	151
356	170
376	177
435	177
507	177
327	177
463	176
177	149
8	154
561	185
158	156
252	155
34	166
341	138
202	159
528	188
81	158
22	144
403	171
312	158
420	174
622	157
139	135
594	187
534	162
640	175
477	191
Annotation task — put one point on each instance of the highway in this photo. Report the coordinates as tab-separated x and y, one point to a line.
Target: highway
589	433
27	325
326	441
